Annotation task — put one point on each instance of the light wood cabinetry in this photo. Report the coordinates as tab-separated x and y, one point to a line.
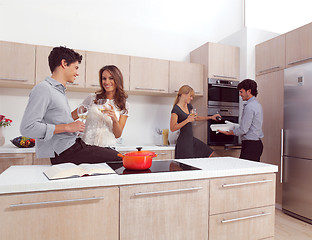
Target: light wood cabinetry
223	61
43	70
220	61
222	151
242	207
149	75
270	55
97	60
9	159
271	97
257	223
298	45
17	63
176	210
71	214
164	155
183	73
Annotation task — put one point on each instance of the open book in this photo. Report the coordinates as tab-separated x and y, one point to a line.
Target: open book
68	170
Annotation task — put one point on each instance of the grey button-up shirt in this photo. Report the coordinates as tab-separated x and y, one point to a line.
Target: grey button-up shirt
250	127
48	106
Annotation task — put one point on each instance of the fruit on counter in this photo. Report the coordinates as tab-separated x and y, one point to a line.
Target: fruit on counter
23	142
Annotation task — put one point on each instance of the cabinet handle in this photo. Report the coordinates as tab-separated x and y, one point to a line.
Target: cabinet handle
168	191
268	69
69	83
11	157
13	79
245	183
150	89
162	153
243	218
302	60
282	153
95	85
224	76
57	201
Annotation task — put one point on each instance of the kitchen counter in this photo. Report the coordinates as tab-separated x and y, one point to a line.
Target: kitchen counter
22	179
10	148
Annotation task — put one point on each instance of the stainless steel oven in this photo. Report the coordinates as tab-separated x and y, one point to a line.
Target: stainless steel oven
228	114
223	98
222	93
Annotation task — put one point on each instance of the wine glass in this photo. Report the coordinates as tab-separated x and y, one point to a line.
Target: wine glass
100	105
193	113
82	112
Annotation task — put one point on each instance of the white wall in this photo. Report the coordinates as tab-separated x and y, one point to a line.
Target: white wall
164	29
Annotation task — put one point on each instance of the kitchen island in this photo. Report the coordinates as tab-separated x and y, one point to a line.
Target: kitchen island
228	198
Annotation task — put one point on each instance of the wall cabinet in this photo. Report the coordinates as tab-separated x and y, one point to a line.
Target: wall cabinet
97	60
242	207
71	214
9	159
271	97
176	210
43	70
17	63
298	45
183	73
149	75
270	55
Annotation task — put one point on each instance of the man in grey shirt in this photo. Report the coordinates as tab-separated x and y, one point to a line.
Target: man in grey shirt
250	128
48	117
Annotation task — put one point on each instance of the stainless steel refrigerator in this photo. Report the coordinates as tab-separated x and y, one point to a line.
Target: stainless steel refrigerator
297	142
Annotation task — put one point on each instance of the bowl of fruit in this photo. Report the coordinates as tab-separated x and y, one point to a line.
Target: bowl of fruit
23	142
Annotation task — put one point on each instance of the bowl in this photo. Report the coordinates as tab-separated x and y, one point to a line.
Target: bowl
23	142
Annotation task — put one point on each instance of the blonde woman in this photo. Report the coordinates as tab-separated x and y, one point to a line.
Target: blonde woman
181	119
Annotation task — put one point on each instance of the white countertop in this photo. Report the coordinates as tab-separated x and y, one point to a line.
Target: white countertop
30	178
10	148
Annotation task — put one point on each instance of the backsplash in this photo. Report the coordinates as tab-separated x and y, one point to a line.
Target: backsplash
146	114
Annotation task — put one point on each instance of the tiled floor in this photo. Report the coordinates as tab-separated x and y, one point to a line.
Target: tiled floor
289	228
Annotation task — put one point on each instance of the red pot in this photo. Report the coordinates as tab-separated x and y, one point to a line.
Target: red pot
138	160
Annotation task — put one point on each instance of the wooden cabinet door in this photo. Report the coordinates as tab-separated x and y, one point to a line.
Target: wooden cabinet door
298	45
71	215
164	155
270	55
257	223
97	60
176	210
241	192
17	63
149	75
271	97
223	62
9	159
183	73
43	69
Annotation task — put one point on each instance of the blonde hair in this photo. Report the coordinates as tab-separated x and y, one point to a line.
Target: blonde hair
185	89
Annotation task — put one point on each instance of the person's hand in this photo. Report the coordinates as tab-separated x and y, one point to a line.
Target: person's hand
76	126
214	117
191	118
226	132
111	113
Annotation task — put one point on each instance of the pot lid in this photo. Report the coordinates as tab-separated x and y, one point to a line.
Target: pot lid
140	153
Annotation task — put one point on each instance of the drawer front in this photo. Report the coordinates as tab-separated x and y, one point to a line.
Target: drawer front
163	155
9	159
176	210
250	224
242	192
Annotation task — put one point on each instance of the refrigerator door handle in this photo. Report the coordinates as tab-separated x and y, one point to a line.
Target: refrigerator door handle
282	155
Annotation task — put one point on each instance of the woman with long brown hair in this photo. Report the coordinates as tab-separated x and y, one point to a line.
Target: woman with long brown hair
187	145
103	127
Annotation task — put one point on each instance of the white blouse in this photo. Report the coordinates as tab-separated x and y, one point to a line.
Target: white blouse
99	126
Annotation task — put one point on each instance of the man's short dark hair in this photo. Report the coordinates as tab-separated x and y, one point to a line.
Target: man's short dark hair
59	53
248	84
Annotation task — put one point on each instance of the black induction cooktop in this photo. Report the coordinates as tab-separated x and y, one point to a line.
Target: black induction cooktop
157	166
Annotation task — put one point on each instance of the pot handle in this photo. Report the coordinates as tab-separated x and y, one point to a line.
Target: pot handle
155	155
120	155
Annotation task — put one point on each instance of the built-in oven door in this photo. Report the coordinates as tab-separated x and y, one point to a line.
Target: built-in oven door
222	92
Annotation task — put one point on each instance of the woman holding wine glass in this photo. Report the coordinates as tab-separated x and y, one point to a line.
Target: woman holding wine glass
182	116
108	109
